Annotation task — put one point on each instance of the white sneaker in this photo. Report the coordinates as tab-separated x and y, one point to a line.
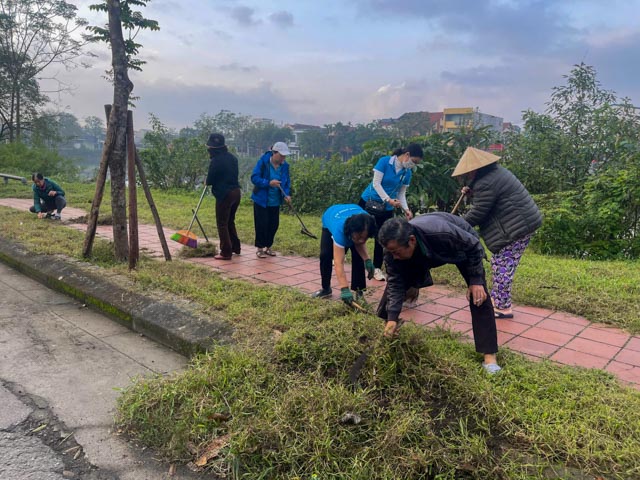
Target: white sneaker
379	275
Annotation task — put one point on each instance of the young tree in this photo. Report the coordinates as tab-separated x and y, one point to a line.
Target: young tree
114	153
34	34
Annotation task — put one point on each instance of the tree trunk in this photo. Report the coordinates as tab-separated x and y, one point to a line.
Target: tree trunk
134	244
117	164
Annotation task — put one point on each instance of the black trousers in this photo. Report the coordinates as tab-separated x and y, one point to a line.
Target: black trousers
51	203
226	223
266	221
378	252
483	320
358	279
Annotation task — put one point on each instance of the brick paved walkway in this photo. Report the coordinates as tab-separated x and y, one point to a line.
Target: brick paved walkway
535	332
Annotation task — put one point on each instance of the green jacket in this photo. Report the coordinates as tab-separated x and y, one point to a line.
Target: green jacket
42	194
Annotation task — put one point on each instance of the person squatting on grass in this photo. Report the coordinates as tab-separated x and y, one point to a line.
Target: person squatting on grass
47	197
223	178
271	178
507	217
345	227
413	248
391	178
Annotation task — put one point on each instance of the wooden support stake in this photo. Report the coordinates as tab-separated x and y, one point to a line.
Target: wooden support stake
92	221
152	205
134	244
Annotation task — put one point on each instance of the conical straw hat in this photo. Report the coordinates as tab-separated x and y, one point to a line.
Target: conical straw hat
473	159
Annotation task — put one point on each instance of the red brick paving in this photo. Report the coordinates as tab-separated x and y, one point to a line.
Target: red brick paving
535	332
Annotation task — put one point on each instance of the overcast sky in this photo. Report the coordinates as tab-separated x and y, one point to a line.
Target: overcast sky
319	62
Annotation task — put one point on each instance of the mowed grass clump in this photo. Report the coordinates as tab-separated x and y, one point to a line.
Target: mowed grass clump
426	407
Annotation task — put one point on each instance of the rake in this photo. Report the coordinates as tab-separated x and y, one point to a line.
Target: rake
304	230
187	237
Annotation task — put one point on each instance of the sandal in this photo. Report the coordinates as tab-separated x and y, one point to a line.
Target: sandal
270	252
261	253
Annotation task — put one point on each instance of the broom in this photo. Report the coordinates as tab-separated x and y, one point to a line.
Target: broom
187	237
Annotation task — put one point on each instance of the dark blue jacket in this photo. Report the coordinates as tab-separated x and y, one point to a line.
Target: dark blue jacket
260	178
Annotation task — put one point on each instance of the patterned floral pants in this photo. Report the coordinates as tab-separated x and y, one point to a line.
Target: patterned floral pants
503	266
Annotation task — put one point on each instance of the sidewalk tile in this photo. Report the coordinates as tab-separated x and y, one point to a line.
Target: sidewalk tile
594	348
540	312
580	359
634	344
547	336
507	325
567	317
418	317
560	326
626	372
436	308
628	356
462	315
610	336
526	318
532	347
458	302
504	337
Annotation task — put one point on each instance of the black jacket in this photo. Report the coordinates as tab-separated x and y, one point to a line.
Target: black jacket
223	172
502	207
442	238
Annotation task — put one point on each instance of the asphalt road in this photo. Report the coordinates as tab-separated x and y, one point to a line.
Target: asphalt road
60	367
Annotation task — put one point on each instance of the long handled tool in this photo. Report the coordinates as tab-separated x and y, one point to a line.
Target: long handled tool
195	214
187	237
304	230
455	208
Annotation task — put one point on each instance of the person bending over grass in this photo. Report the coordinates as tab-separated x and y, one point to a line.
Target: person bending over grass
47	197
345	227
413	248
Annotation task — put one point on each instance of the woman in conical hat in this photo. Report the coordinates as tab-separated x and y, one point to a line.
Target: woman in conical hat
506	214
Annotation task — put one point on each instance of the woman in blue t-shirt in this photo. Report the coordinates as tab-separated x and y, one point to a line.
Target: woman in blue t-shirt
391	177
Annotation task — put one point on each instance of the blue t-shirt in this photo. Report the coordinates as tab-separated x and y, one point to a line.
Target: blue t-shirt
333	220
391	181
275	196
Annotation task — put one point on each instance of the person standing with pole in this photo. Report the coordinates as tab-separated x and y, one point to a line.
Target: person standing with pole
507	217
223	178
272	184
391	178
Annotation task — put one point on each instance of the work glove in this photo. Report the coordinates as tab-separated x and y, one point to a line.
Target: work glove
346	295
368	265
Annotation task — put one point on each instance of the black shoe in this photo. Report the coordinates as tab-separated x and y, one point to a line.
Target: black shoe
359	297
322	293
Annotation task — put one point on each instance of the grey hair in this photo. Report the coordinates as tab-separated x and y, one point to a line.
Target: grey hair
398	229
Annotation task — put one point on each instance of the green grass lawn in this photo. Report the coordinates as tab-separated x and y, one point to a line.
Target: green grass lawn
275	404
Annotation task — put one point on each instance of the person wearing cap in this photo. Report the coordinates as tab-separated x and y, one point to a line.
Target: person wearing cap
345	227
506	215
413	248
391	178
223	178
272	184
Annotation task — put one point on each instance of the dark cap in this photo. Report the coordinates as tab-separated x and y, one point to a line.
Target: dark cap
216	140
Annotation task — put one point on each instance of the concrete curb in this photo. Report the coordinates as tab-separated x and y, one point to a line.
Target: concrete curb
163	322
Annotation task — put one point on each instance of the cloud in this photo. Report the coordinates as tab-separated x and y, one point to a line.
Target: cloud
244	16
281	19
487	26
236	67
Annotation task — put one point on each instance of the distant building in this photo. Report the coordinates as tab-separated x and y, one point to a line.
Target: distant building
298	129
469	117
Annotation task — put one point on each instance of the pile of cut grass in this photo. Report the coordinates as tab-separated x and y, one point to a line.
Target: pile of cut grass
426	408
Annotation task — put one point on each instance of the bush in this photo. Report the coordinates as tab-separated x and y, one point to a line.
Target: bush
20	159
